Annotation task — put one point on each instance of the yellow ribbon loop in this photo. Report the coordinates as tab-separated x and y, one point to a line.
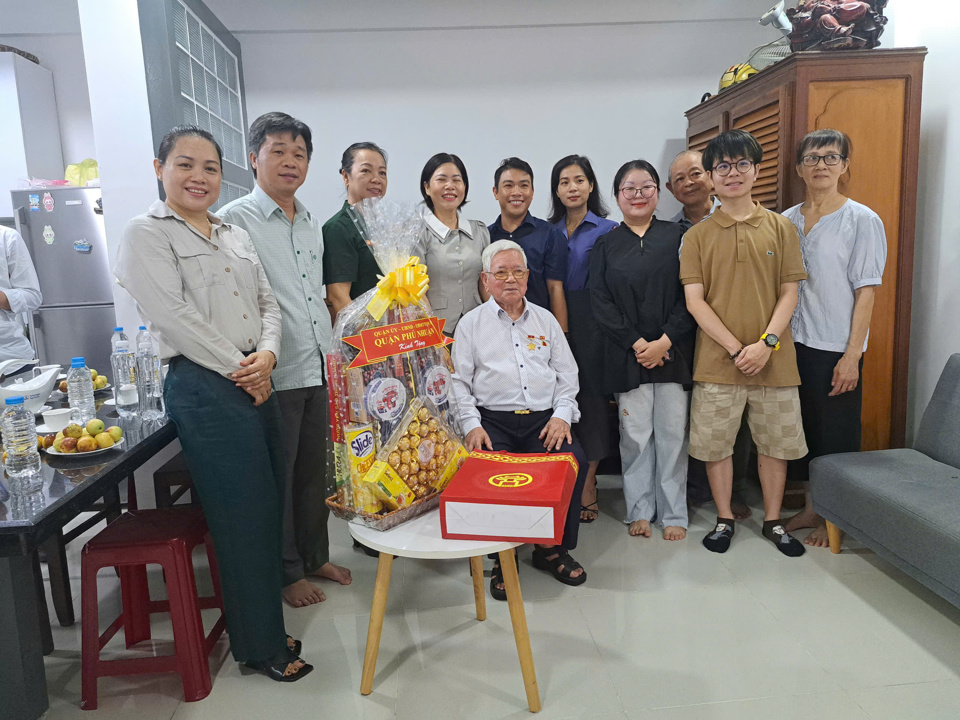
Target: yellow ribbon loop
402	286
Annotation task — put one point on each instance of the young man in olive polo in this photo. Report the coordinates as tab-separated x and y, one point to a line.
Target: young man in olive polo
740	269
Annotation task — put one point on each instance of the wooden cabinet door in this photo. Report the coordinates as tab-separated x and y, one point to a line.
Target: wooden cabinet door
763	117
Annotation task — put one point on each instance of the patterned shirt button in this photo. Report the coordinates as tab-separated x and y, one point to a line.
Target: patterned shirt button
215	247
227	269
236	293
245	317
250	340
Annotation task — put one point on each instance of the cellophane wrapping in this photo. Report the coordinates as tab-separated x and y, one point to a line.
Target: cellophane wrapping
394	425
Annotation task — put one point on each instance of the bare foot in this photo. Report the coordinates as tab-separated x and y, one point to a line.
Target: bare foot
589	510
818	538
740	510
804	519
641	528
337	573
674	532
303	593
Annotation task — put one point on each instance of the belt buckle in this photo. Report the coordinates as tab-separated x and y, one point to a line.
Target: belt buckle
521	412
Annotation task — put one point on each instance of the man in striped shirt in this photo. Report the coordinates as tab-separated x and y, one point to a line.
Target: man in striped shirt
288	240
516	383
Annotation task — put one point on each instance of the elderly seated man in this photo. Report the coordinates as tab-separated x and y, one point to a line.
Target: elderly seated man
515	380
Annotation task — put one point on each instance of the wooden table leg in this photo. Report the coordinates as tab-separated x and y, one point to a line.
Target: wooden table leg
380	589
834	537
479	592
518	617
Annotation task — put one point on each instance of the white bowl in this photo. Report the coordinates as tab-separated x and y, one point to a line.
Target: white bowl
57	420
35	390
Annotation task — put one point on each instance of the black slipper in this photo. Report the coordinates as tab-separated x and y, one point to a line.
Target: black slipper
718	540
591	508
496	578
561	559
775	532
296	647
277	672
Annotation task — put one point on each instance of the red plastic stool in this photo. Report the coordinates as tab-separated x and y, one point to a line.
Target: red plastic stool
166	537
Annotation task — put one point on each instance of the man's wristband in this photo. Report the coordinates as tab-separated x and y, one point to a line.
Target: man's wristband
734	356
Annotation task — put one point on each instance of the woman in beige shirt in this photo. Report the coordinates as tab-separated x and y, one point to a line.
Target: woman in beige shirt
203	293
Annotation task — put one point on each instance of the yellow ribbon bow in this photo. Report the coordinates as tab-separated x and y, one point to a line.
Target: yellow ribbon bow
403	286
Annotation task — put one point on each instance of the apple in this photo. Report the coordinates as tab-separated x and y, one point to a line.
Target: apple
115	432
100	383
93	374
68	445
48	440
95	427
60	435
39	442
58	443
87	444
63	386
104	440
72	431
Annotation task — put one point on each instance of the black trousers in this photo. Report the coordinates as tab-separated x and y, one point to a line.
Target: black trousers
831	424
514	433
236	457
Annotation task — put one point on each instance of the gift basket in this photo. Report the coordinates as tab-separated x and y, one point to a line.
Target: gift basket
395	431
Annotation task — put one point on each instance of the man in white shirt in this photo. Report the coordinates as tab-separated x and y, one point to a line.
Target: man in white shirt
516	384
19	294
290	245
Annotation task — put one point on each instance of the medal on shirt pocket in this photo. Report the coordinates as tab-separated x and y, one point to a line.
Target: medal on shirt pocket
534	342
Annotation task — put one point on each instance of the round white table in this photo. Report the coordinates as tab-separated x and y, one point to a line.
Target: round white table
420	538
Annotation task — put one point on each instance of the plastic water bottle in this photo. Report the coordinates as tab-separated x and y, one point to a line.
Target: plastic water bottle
149	378
124	365
80	389
20	444
118	335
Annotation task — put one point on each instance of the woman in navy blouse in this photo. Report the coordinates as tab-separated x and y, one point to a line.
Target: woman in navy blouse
579	213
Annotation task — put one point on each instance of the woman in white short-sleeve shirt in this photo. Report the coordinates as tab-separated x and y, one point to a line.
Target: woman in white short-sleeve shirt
844	250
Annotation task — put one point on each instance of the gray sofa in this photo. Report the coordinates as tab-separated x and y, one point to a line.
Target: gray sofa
904	504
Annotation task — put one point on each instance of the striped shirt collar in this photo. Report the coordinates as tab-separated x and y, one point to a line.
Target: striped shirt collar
268	205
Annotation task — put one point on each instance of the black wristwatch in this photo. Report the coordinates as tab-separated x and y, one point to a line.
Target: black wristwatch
771	341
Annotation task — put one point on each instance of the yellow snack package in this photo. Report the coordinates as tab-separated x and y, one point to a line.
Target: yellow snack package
388	486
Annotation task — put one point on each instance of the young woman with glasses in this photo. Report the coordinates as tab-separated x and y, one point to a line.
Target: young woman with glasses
844	250
639	304
579	213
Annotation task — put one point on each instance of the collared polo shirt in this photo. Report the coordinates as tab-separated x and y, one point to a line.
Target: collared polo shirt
546	251
18	280
207	299
579	246
291	254
504	364
347	256
741	265
681	217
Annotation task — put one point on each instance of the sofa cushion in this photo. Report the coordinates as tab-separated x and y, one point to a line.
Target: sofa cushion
901	499
939	433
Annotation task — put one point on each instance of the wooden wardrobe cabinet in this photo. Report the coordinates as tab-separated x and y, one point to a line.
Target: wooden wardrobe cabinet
874	97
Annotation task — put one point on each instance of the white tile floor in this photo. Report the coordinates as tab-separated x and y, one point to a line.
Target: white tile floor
661	631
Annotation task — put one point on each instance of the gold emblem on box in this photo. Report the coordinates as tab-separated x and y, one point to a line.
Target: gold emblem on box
510	480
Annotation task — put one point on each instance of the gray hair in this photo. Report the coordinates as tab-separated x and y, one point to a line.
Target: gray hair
498	247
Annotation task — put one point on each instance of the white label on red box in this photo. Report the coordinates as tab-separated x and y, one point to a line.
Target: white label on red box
499	520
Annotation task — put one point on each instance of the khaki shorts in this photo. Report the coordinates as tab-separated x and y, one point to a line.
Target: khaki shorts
773	414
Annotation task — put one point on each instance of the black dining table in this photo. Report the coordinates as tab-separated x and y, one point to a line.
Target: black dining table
71	485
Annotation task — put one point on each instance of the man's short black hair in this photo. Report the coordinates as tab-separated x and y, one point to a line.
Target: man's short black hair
512	163
733	144
277	123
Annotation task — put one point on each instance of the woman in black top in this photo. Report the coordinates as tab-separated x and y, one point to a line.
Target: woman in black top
639	305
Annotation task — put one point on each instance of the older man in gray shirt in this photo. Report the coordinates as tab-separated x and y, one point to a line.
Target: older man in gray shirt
290	245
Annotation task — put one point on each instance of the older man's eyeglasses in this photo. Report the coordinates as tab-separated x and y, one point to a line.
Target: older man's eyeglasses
518	274
630	192
742	165
830	159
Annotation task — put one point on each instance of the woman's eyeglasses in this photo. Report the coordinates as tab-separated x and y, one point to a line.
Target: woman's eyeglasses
828	159
630	192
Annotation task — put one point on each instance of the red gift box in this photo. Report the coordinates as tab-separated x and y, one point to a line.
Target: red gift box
510	497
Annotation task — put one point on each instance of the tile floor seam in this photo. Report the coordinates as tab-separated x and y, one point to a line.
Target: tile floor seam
603	663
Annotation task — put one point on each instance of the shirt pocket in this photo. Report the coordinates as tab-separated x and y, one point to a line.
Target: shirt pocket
246	269
198	265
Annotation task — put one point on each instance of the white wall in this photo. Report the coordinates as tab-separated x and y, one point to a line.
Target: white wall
534	79
935	330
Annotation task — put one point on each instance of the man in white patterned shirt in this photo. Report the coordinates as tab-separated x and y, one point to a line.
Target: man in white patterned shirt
516	383
290	245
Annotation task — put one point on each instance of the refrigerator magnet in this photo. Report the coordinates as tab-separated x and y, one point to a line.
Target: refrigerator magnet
48	202
82	245
48	234
35	202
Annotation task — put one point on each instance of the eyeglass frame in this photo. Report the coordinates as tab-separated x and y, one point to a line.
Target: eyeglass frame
639	191
524	272
804	163
731	166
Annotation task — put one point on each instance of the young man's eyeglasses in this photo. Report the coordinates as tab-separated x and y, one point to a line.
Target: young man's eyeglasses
630	192
742	165
828	159
518	274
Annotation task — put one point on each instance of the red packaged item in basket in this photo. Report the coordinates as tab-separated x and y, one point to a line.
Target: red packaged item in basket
510	497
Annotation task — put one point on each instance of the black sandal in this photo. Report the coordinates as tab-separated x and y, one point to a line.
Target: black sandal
496	578
591	508
279	673
561	559
296	647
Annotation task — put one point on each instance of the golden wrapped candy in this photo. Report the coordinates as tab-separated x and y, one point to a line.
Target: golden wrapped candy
404	443
414	466
413	428
415	441
423	415
405	456
432	424
403	471
394	459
